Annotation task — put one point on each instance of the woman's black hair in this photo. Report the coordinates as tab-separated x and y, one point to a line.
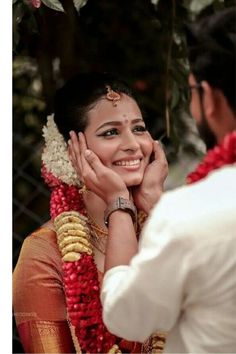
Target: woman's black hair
211	45
78	95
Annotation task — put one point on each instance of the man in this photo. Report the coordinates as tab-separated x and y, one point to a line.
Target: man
182	280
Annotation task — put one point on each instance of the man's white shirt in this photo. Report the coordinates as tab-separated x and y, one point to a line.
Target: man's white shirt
183	279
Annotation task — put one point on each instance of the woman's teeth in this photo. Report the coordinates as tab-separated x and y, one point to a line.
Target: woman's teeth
127	163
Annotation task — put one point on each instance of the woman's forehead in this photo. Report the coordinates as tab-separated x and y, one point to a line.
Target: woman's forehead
105	103
126	109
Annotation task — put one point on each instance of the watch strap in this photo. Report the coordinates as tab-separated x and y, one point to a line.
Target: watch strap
121	204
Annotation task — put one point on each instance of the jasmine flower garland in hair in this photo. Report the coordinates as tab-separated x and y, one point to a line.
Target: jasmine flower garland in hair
55	156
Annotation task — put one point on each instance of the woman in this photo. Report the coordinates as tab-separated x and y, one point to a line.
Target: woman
56	280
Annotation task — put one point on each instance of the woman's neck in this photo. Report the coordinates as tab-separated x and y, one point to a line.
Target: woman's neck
95	207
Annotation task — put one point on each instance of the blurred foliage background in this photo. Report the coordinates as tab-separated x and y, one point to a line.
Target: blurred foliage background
141	40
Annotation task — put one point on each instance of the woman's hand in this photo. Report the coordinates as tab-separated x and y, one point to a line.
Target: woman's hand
147	194
98	178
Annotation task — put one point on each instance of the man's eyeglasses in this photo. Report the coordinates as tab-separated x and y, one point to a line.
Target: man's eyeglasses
198	87
188	89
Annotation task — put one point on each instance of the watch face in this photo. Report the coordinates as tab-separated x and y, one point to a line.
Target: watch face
121	202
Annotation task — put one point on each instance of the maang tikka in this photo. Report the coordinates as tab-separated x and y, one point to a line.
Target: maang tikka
112	95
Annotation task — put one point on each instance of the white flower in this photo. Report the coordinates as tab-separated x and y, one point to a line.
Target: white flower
55	155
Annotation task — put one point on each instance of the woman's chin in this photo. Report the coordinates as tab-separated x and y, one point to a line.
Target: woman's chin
131	182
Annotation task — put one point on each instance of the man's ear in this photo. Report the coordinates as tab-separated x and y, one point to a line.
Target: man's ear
209	99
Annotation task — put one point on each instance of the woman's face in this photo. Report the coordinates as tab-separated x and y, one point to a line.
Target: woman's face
119	137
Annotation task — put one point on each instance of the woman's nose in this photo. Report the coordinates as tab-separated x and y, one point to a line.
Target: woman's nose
129	142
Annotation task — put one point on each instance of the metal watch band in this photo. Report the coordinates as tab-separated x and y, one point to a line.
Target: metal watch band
121	204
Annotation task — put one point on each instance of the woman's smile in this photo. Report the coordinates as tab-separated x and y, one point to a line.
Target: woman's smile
119	138
130	164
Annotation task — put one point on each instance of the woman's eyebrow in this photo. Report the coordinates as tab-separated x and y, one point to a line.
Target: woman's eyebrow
119	123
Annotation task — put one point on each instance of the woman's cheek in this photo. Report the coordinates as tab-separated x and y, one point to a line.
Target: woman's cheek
103	157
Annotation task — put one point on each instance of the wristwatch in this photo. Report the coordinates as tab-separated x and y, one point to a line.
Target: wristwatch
121	204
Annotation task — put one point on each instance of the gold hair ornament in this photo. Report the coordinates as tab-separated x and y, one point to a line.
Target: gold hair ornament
112	96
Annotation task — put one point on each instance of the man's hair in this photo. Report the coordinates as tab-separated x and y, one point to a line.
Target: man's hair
211	45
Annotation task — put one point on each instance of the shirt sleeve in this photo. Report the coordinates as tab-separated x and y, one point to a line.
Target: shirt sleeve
147	292
38	298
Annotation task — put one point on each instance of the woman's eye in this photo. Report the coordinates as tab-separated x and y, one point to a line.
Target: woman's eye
110	132
139	128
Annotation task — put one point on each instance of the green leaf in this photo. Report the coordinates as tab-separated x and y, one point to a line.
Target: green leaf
54	5
79	3
18	13
197	6
175	95
155	2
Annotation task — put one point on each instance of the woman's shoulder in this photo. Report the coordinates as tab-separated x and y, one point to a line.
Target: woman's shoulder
40	243
45	233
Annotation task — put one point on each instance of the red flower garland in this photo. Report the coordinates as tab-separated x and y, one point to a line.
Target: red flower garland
80	278
221	155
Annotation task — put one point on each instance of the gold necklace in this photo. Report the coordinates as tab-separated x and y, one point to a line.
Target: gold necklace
98	235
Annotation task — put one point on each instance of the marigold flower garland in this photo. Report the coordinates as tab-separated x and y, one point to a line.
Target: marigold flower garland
221	155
